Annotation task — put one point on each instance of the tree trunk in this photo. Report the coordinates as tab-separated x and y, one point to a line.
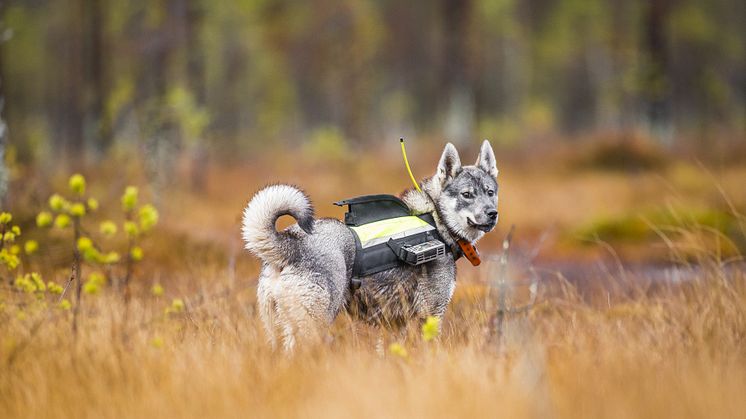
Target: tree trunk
70	95
658	93
98	123
460	112
196	75
4	178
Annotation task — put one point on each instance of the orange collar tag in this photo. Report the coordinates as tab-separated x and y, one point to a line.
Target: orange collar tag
470	251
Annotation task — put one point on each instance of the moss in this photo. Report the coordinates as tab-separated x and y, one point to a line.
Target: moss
637	227
626	228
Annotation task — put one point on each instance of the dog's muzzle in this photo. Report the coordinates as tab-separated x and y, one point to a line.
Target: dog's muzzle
482	227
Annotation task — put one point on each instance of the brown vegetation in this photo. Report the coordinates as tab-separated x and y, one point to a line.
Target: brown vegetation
677	352
622	347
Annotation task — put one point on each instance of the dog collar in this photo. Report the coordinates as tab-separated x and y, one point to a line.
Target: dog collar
470	251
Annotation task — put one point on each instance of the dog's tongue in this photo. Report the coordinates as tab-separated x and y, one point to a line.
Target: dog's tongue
470	251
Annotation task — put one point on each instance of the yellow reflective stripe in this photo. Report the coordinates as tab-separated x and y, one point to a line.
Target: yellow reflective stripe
387	227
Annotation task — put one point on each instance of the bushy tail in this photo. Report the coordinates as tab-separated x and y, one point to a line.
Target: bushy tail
259	217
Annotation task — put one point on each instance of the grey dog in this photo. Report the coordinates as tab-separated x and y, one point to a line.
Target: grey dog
307	268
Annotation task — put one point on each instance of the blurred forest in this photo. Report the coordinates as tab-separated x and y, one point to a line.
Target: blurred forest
619	129
226	78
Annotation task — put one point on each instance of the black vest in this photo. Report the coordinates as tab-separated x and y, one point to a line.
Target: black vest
385	231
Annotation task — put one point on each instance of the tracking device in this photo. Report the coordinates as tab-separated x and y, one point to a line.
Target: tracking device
417	254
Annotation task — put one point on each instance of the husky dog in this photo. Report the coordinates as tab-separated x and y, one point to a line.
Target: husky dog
307	268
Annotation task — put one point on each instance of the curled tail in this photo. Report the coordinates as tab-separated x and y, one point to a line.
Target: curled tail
259	217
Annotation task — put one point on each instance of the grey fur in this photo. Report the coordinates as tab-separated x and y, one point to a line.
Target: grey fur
306	273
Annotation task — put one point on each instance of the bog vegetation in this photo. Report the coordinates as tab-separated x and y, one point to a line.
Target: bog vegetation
176	334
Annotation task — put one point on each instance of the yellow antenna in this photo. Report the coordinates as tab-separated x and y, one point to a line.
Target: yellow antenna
406	163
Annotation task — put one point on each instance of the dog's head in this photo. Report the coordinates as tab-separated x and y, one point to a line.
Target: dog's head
467	195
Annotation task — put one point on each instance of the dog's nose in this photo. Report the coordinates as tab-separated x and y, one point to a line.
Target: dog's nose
492	214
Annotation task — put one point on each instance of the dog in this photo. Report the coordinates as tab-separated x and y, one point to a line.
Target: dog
306	273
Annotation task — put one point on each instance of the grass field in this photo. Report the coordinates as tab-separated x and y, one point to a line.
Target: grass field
616	344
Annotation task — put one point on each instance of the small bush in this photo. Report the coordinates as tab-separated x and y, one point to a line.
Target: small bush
623	153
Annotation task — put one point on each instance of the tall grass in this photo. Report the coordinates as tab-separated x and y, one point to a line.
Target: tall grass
633	347
677	351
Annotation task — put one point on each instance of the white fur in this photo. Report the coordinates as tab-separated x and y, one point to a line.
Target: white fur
258	230
291	307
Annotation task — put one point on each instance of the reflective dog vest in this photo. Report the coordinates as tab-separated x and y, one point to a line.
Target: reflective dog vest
381	231
388	234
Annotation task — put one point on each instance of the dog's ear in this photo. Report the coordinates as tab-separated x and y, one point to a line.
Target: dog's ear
449	166
486	159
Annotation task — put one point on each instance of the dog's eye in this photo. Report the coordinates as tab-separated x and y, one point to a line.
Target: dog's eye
466	195
490	193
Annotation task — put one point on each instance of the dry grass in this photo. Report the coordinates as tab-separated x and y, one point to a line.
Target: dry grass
677	352
629	348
